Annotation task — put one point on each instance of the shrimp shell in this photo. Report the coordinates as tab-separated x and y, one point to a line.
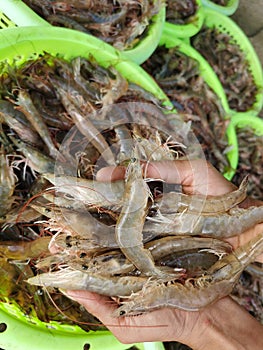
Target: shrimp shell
89	192
234	222
28	108
206	205
69	278
162	246
129	225
195	293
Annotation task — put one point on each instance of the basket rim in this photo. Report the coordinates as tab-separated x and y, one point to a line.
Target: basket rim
232	153
16	42
150	41
218	20
241	120
227	10
189	29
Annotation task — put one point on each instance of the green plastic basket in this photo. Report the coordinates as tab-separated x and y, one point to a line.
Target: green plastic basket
226	25
189	29
17	13
18	45
242	120
212	80
227	10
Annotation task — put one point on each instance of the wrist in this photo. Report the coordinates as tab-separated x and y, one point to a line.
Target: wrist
226	325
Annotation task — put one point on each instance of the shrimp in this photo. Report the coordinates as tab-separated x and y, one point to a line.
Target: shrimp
80	228
234	222
85	126
89	192
20	214
119	87
24	250
194	293
38	161
7	184
153	147
65	21
206	205
106	264
161	247
129	225
115	263
69	278
29	110
80	225
16	121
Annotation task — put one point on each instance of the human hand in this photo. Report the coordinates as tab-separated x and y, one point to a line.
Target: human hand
196	177
169	324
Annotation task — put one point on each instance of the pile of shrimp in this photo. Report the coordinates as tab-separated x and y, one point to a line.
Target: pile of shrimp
230	64
121	23
139	240
180	78
181	12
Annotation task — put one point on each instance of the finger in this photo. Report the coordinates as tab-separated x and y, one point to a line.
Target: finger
196	176
154	326
245	237
111	173
95	303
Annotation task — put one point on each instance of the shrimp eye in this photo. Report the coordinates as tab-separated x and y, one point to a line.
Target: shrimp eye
122	313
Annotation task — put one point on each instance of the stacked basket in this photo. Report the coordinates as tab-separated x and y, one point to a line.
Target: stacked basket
215	16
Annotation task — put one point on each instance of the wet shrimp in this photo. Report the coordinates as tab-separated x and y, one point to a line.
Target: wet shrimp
85	126
194	293
89	192
38	161
206	205
26	106
129	225
232	223
24	250
7	184
69	278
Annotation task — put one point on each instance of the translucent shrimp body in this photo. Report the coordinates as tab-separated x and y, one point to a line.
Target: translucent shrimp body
195	293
